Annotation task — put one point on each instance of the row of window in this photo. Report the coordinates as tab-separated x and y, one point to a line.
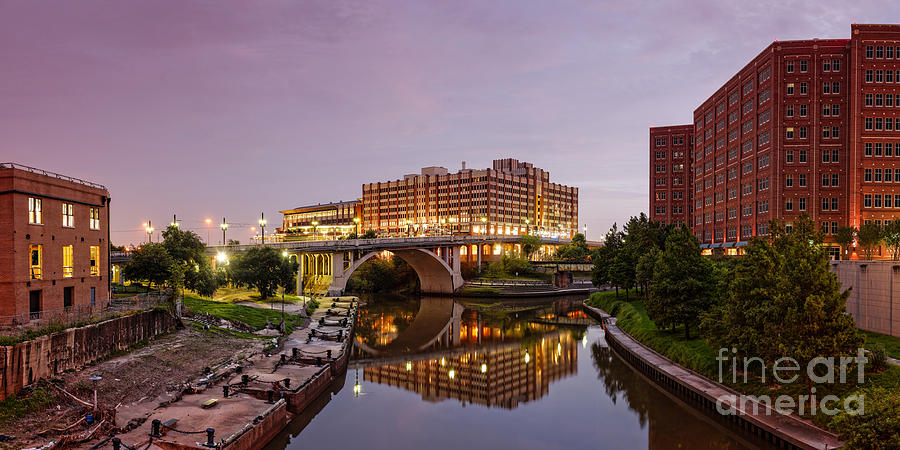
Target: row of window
36	261
881	76
881	175
882	100
36	214
881	201
882	123
828	65
877	149
881	51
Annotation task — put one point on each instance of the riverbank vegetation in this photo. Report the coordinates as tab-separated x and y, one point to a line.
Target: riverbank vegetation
778	300
253	317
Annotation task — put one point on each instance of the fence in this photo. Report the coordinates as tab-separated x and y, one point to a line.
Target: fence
80	313
502	282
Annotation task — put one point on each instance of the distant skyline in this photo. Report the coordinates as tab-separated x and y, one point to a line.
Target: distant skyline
224	108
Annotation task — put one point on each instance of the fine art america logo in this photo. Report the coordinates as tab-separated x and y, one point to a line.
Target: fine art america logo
786	370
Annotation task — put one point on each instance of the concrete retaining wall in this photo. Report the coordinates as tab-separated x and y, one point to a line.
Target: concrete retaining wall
874	300
46	356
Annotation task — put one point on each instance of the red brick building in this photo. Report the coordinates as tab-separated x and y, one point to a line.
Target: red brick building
54	244
670	176
807	127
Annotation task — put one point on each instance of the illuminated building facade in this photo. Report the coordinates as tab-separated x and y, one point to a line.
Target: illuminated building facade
328	220
54	250
807	127
510	198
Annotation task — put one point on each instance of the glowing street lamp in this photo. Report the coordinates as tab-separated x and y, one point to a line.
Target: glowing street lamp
315	225
174	221
527	357
356	221
222	258
262	227
584	231
149	230
484	226
224	226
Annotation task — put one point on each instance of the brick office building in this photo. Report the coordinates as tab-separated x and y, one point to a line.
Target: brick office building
513	197
670	177
54	244
807	127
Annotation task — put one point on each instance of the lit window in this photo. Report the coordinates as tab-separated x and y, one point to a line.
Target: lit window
68	212
34	210
95	260
67	261
95	218
36	261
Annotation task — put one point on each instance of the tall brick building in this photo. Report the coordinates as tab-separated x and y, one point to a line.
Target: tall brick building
670	177
807	127
513	197
54	244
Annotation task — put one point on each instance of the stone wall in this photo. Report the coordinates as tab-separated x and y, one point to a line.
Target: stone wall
26	362
874	300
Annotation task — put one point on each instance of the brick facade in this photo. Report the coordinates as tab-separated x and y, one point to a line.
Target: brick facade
670	176
50	280
802	129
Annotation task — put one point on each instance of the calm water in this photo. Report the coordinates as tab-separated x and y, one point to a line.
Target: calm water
434	373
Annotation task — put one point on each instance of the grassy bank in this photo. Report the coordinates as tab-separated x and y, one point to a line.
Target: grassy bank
890	343
252	316
694	354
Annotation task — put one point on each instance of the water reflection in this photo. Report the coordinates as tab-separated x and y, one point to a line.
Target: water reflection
420	365
498	375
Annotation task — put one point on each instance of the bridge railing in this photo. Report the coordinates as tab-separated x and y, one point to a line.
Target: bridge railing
350	244
505	282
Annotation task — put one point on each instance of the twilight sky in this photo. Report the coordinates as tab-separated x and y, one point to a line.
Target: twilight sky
229	108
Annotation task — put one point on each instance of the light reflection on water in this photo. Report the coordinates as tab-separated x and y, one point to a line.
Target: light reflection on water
439	373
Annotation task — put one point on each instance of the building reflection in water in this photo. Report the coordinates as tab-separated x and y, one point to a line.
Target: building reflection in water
494	375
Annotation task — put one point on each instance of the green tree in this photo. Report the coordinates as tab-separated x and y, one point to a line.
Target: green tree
643	272
782	300
844	238
265	269
892	238
150	263
878	428
369	234
684	283
576	251
530	245
188	251
870	236
621	272
604	257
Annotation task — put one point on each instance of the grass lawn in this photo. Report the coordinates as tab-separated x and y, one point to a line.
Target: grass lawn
237	295
890	343
252	316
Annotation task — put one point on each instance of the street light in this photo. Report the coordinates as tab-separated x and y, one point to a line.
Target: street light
208	223
149	229
484	226
224	226
443	223
527	222
356	221
315	225
584	228
408	228
262	227
174	221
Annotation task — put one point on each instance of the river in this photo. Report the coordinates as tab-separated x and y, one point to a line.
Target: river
439	373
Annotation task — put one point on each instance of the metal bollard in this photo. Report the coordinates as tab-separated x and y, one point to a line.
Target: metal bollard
319	361
312	332
328	352
348	312
340	335
245	378
117	443
225	391
210	437
287	382
294	352
270	395
283	358
154	428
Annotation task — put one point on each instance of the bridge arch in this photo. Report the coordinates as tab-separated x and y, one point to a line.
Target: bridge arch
438	274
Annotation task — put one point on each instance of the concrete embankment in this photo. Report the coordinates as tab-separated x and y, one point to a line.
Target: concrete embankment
244	405
46	356
781	430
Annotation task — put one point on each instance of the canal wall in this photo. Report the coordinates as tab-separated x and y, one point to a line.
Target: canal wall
24	363
874	300
782	431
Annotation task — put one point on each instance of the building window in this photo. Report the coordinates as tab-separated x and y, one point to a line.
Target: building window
789	205
67	265
95	260
789	67
803	88
804	65
95	218
802	180
802	204
867	200
802	154
36	261
834	207
34	211
68	215
870	52
789	180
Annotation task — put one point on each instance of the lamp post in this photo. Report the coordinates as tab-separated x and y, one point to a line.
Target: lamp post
527	223
149	230
484	226
315	225
174	220
408	228
584	231
356	222
224	226
208	223
262	227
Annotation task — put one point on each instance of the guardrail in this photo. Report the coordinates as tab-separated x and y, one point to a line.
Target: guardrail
81	313
353	244
504	282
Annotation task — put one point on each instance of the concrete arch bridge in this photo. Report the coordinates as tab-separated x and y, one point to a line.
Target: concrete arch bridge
325	266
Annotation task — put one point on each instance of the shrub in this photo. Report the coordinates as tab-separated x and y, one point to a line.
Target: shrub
878	427
878	357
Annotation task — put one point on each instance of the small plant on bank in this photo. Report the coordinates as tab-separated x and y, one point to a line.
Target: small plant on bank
878	357
311	306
